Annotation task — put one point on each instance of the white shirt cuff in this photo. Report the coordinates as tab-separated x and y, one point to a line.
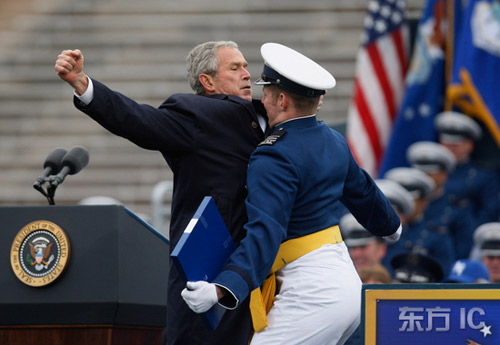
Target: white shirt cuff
88	95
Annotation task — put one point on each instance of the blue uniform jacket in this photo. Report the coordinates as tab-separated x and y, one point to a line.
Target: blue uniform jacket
477	189
296	185
206	141
443	217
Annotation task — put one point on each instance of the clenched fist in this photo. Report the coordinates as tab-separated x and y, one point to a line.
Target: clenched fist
69	67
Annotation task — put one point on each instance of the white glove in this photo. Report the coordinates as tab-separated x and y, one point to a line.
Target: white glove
394	237
200	296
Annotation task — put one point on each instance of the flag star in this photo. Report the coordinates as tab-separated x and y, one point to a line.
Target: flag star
380	26
373	6
409	113
385	11
396	18
486	330
401	4
424	109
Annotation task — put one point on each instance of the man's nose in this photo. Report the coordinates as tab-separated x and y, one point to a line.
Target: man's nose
246	74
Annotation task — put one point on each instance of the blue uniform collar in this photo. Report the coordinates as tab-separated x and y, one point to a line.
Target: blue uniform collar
304	121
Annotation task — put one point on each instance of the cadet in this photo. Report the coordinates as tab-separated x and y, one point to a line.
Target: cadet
441	215
487	238
296	180
469	185
416	237
399	197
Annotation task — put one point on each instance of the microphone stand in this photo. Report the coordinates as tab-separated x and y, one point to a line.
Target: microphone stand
49	193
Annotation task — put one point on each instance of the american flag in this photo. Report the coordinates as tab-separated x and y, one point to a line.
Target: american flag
378	82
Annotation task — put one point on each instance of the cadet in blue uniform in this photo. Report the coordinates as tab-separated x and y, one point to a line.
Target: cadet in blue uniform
296	179
487	239
469	185
365	248
442	215
416	237
206	139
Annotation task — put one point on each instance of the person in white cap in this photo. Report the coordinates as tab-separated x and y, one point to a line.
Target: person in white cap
487	238
441	215
365	248
297	179
469	185
416	237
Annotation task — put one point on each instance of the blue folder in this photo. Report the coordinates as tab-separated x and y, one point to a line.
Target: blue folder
203	250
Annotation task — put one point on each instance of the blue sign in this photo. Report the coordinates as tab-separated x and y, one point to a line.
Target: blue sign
435	314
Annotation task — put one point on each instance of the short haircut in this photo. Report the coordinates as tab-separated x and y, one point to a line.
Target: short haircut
203	59
303	104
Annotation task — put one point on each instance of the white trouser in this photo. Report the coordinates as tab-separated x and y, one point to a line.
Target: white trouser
319	300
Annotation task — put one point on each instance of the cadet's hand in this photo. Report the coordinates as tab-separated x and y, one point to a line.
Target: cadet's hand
394	237
69	67
200	296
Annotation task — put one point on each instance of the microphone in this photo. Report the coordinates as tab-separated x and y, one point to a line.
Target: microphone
51	166
72	162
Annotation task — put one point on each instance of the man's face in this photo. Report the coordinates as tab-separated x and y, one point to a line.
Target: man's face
367	255
492	263
232	77
270	102
461	149
420	206
439	177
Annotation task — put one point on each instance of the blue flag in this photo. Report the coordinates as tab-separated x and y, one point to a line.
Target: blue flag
425	87
476	66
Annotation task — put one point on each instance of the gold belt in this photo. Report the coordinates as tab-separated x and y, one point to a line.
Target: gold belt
261	299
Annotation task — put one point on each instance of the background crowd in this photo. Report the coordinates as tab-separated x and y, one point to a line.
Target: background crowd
449	207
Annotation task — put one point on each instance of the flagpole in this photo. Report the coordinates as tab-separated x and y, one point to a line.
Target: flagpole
450	38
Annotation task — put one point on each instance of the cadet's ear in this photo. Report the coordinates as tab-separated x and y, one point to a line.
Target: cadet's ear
207	82
283	100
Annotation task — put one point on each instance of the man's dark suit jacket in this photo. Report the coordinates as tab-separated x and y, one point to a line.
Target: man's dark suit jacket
206	141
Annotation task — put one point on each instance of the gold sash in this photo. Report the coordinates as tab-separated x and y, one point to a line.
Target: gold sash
261	299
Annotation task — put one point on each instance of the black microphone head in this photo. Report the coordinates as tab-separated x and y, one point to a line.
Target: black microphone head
76	159
53	160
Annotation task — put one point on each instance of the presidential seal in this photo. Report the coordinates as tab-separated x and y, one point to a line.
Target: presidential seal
40	253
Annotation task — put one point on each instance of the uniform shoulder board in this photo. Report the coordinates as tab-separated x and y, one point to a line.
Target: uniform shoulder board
274	137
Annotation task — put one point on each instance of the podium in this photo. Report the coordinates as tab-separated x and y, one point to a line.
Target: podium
113	289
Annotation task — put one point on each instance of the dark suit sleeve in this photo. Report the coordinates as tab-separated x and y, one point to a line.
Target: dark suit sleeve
167	128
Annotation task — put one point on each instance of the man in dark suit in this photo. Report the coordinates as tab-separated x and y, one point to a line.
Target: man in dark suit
206	139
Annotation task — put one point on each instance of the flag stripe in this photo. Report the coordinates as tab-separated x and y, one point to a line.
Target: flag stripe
373	94
397	36
382	76
395	73
367	119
